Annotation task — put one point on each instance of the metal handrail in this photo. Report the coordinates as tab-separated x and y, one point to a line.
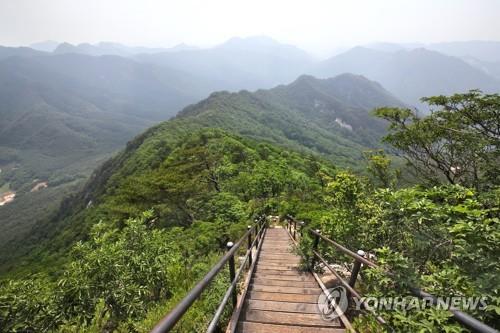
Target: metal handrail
170	320
461	317
230	291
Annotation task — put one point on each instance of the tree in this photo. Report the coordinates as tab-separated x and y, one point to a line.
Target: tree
379	167
457	143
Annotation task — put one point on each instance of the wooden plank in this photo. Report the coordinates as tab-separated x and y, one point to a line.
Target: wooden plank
284	318
278	264
281	306
284	257
277	271
249	327
281	277
282	249
286	290
292	260
284	283
280	297
282	267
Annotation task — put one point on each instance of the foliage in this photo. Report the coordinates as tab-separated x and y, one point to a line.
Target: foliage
458	142
379	168
133	267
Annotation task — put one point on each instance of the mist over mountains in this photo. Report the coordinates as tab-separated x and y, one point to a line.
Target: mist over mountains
261	62
410	74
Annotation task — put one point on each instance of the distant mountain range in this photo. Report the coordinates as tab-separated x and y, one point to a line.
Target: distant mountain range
408	70
249	63
410	74
108	48
484	55
488	51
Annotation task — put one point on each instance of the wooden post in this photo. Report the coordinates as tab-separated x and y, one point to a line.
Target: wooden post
249	246
355	269
232	274
315	248
294	229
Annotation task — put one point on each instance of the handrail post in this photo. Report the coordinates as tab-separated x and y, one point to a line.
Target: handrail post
294	229
302	223
315	248
232	274
249	246
355	269
257	232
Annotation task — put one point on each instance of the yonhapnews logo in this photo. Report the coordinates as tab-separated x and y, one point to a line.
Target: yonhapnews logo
333	304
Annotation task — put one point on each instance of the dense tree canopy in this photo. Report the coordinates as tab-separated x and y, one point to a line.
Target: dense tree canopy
458	142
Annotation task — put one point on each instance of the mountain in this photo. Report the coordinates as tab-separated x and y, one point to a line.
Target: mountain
488	51
490	68
109	48
329	118
410	74
239	63
45	46
6	52
62	115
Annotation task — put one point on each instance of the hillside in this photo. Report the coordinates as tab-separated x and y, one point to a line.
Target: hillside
410	74
155	218
329	118
61	116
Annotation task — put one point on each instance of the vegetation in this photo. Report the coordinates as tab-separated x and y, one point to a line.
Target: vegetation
152	220
459	141
134	266
444	237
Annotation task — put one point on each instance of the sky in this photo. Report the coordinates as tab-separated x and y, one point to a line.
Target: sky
318	26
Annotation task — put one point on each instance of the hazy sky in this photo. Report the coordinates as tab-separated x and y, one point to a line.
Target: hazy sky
318	26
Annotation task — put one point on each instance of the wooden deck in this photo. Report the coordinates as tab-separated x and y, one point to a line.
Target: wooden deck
280	298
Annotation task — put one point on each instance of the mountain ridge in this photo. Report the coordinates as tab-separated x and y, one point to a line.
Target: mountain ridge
324	125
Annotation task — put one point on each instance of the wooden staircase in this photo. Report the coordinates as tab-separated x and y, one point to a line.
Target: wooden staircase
281	298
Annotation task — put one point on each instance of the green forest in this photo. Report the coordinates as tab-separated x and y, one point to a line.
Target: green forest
420	192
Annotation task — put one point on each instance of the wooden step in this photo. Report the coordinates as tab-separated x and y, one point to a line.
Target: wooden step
279	256
249	327
281	306
280	297
284	283
279	267
267	270
276	250
281	277
286	290
284	318
292	260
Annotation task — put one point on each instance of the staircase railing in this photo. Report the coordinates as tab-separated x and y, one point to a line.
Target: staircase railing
359	262
252	238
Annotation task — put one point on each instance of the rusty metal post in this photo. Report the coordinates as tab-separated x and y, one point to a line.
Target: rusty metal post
249	246
355	269
232	274
315	248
